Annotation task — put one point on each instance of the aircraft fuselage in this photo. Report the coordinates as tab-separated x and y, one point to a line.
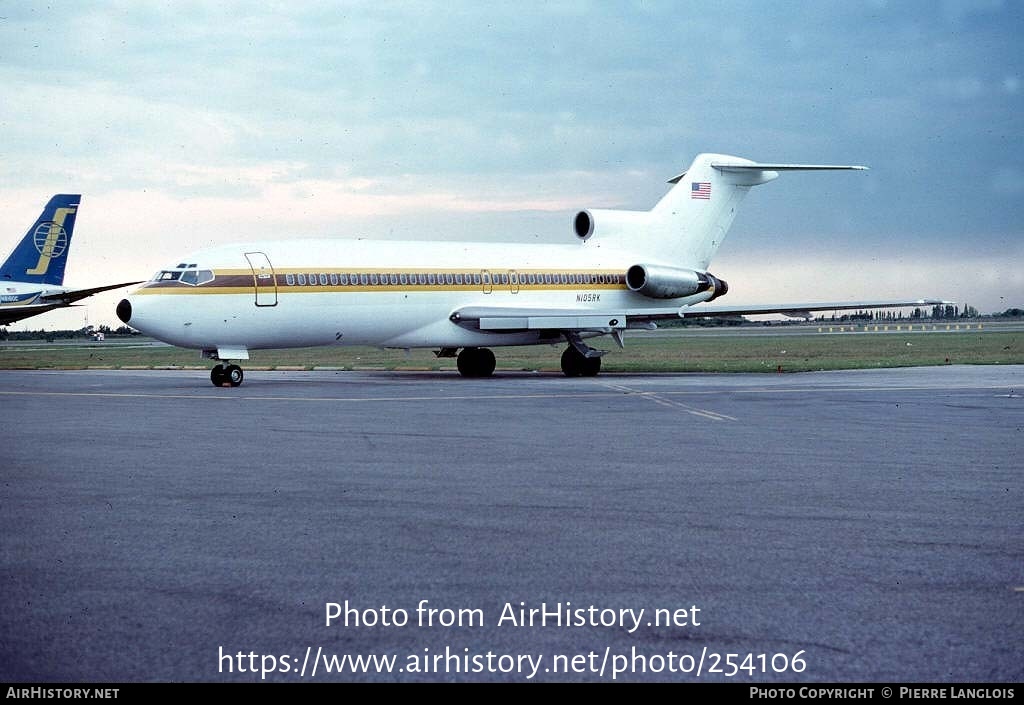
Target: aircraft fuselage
387	294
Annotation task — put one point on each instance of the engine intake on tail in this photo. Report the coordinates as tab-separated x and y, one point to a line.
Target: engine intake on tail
583	225
659	282
607	222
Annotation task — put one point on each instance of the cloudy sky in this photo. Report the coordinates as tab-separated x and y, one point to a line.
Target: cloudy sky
186	124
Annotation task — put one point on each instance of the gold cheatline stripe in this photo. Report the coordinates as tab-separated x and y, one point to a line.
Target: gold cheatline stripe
232	287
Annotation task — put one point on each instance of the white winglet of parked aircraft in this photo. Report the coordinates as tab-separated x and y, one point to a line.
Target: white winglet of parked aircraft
32	276
622	270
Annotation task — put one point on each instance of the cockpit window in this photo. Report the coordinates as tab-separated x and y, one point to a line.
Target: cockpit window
191	276
195	277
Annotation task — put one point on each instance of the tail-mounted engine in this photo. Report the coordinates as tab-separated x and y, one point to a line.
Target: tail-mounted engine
609	222
658	282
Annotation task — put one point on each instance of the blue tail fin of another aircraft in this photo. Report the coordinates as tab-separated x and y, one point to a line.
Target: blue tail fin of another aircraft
42	254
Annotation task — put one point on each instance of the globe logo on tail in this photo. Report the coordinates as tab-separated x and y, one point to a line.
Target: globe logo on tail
51	240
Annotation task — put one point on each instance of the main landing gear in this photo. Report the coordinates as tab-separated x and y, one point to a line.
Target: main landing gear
576	364
579	359
225	375
476	362
479	362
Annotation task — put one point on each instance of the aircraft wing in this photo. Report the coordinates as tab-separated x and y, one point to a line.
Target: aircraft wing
48	302
501	319
64	298
699	311
10	314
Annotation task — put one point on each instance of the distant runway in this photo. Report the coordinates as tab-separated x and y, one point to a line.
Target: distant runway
860	526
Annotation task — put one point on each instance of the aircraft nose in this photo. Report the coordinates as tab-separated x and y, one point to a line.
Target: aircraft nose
124	310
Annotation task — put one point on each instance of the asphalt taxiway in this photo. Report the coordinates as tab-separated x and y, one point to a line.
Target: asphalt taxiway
862	526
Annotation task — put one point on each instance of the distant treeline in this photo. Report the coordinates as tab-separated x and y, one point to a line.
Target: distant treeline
918	314
937	312
87	332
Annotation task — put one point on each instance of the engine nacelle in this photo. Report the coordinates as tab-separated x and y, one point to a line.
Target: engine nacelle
659	282
609	222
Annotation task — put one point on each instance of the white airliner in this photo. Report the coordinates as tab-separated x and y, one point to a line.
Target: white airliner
622	270
32	276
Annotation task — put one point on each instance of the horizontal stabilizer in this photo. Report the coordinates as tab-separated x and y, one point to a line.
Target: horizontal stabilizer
727	166
748	167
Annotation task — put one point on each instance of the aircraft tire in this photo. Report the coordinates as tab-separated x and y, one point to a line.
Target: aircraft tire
234	375
572	363
486	362
476	362
218	376
591	366
465	362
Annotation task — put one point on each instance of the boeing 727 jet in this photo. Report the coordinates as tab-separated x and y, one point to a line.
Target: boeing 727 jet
32	277
621	270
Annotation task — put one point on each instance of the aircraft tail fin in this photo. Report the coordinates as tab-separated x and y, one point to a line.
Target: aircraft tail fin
41	255
688	225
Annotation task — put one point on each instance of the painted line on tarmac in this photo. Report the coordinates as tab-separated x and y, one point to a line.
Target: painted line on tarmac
657	398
